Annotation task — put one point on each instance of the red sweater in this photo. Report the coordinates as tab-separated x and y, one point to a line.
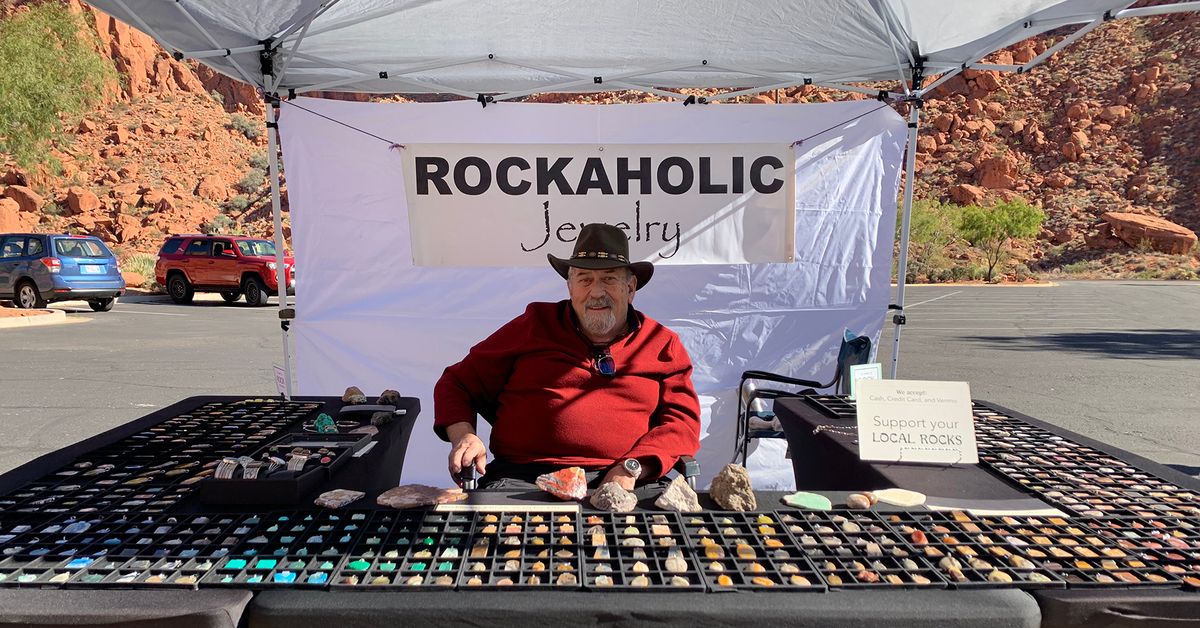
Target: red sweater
534	380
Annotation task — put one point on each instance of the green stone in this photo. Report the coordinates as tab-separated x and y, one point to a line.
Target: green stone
427	540
445	566
388	566
811	501
266	563
359	565
325	424
326	565
418	566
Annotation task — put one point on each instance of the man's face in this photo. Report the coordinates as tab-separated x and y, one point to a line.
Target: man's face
601	299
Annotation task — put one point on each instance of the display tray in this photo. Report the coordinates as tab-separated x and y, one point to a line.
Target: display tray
751	550
406	550
283	487
288	571
153	470
517	549
844	534
121	536
639	551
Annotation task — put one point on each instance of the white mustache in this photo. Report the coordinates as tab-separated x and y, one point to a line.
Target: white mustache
601	302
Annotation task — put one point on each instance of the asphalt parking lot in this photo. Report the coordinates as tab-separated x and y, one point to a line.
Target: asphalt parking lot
1118	361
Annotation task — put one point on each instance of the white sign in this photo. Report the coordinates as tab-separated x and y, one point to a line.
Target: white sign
916	421
873	370
511	204
280	379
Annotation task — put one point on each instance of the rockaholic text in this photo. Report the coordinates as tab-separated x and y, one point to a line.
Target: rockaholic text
515	176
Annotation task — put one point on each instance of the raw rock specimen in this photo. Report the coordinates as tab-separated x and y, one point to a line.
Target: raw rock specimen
678	496
613	498
354	396
413	495
731	489
569	483
337	498
382	418
389	398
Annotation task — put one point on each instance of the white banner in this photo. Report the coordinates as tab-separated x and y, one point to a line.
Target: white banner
366	316
509	204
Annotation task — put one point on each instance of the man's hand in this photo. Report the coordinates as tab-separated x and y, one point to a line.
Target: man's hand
618	475
466	449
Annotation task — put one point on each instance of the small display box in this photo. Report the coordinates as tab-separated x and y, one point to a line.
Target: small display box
323	455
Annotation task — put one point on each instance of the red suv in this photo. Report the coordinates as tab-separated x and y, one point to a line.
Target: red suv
231	265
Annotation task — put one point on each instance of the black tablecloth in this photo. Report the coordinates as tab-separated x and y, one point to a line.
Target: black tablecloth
177	609
894	609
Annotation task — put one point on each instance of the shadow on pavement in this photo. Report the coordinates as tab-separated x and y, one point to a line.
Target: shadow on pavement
1134	344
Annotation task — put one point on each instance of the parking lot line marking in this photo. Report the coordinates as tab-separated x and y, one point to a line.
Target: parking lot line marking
933	299
124	311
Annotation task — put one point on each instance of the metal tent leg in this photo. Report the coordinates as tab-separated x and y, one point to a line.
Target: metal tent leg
277	218
910	162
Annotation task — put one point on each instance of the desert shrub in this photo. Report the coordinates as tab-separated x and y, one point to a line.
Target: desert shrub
140	263
236	204
51	68
247	126
932	227
215	95
259	161
217	224
251	181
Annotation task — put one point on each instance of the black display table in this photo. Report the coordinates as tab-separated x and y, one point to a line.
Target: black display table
829	461
918	609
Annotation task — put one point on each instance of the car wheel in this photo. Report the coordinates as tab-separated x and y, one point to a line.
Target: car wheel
180	290
103	305
232	296
255	291
28	297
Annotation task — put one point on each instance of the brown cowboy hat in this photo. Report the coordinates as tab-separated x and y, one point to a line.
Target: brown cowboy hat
600	247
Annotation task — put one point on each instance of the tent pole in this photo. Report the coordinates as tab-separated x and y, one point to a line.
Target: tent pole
910	162
272	102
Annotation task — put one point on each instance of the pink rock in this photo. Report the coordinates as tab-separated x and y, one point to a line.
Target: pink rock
569	483
414	495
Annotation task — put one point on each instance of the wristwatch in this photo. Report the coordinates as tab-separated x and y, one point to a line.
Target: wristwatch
632	467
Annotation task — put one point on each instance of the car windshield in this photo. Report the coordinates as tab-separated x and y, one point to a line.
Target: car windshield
256	248
73	247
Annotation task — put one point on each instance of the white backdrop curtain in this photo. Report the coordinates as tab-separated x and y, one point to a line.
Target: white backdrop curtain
367	317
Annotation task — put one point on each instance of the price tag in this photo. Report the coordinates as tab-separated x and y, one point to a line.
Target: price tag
916	421
858	372
280	380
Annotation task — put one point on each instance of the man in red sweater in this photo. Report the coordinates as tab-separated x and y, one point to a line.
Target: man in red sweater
587	382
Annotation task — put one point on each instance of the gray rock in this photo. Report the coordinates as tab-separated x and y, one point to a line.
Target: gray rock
678	496
731	489
613	498
389	398
381	418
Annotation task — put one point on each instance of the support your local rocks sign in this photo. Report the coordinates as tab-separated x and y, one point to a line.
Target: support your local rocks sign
510	204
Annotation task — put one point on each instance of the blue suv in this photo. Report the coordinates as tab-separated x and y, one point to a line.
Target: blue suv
37	268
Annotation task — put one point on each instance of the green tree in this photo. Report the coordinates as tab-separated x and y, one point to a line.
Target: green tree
51	67
992	229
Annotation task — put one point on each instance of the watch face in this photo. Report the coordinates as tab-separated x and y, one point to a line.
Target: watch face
633	467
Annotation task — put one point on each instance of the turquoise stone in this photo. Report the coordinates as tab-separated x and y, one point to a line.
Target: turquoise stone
811	501
359	565
235	563
266	563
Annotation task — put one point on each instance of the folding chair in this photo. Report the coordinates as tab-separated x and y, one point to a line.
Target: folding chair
856	350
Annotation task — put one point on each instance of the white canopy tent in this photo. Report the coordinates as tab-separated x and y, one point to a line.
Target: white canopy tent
496	50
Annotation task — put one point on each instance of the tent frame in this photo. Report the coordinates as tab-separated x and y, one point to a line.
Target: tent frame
277	53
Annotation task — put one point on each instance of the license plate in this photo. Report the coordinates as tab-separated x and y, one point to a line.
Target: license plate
91	269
